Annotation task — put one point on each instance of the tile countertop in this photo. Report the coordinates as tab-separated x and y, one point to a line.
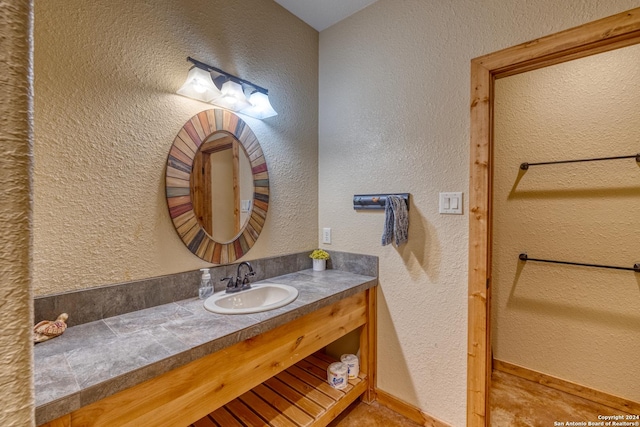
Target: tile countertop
95	360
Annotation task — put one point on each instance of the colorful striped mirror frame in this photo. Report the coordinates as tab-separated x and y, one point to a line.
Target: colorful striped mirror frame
179	165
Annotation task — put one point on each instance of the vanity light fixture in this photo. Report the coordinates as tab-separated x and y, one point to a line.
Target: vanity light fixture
232	97
260	106
210	84
199	86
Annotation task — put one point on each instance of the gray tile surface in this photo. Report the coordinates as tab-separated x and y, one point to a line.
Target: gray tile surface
164	338
115	356
97	359
82	307
54	379
199	329
303	261
57	408
81	336
354	263
89	305
144	319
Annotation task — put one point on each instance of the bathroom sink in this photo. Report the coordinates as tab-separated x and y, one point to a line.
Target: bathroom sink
261	297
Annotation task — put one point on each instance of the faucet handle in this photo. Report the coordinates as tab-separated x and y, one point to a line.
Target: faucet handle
245	281
234	284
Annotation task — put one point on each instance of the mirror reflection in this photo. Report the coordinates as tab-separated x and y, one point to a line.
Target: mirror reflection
221	186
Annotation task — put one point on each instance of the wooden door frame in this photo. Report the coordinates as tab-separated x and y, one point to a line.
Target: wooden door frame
606	34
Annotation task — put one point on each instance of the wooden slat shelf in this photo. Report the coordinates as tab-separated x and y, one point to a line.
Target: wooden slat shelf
298	396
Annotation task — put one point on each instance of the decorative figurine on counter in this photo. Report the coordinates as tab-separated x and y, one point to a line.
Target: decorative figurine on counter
48	329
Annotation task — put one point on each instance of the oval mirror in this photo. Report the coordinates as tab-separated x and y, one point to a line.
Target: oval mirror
217	186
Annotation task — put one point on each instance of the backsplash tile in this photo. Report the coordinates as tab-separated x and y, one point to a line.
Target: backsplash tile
88	305
366	265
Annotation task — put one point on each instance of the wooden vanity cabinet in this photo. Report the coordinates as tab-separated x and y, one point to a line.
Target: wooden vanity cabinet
185	395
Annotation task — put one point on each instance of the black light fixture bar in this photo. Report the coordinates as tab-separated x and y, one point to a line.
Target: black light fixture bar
525	257
237	79
525	166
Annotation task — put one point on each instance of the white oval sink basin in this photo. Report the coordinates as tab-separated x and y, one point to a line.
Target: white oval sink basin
261	297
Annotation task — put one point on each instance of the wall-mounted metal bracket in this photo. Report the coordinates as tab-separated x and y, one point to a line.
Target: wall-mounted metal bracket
375	201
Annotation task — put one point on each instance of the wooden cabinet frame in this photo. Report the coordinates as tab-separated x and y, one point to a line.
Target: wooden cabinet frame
606	34
188	393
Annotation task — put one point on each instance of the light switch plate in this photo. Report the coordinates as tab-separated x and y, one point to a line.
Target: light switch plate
326	235
450	203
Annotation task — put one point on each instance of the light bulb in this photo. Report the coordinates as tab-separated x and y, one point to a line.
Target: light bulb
260	106
232	97
199	86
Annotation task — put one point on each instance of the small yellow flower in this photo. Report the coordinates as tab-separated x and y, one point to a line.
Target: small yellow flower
319	254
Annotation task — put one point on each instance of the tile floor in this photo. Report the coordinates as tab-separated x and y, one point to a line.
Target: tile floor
374	415
516	402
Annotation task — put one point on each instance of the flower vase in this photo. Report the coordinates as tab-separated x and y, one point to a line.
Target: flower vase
319	264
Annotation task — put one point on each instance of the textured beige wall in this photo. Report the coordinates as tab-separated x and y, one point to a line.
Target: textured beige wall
575	323
16	357
106	114
394	117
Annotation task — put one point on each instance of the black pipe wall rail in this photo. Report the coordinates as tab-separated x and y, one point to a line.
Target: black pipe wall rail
525	166
525	257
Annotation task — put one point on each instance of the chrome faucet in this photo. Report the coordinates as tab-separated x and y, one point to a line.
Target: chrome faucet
238	284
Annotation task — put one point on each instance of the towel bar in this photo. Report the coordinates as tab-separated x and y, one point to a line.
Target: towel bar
525	166
525	257
375	201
